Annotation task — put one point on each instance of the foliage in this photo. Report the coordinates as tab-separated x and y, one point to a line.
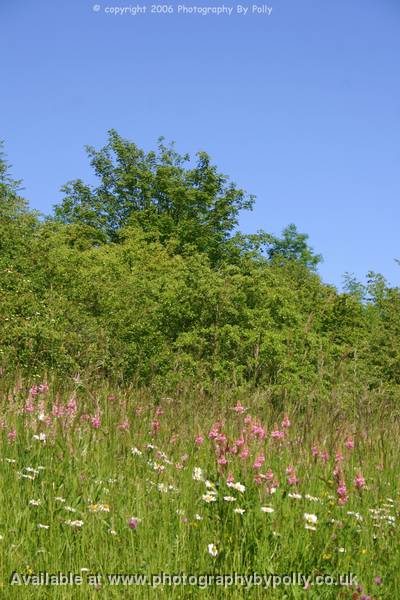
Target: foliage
144	278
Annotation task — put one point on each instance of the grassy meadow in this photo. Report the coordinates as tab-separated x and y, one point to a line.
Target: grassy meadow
99	481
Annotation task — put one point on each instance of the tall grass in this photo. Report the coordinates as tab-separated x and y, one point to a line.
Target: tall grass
101	480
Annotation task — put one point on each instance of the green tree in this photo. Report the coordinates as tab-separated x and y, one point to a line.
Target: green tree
162	192
293	246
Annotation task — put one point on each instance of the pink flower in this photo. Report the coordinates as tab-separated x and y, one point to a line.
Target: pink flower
278	435
258	431
155	426
258	463
230	478
339	456
43	388
198	440
222	460
138	410
359	481
133	522
239	442
314	451
349	443
239	409
269	475
285	422
159	411
292	480
221	438
245	453
289	470
12	435
325	456
57	410
124	426
72	407
378	580
96	422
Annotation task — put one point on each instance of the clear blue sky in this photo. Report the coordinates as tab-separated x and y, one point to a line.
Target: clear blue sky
301	108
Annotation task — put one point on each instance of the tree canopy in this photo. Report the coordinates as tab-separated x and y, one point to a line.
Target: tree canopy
147	277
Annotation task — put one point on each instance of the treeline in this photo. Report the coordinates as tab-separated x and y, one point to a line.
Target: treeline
144	278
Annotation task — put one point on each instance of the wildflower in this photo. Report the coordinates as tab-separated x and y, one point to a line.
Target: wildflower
59	499
239	409
136	452
310	518
342	493
229	499
314	451
124	426
198	517
230	478
239	487
325	456
278	435
349	443
222	460
76	523
41	526
99	508
112	532
155	426
239	511
197	474
293	480
210	497
72	407
41	437
11	435
295	496
244	453
35	502
267	509
285	422
212	549
339	457
259	462
133	522
198	440
259	431
378	580
359	481
96	422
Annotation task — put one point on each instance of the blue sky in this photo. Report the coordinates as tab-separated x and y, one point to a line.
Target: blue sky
301	108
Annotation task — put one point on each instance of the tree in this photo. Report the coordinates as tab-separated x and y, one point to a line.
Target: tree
11	204
162	192
293	246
